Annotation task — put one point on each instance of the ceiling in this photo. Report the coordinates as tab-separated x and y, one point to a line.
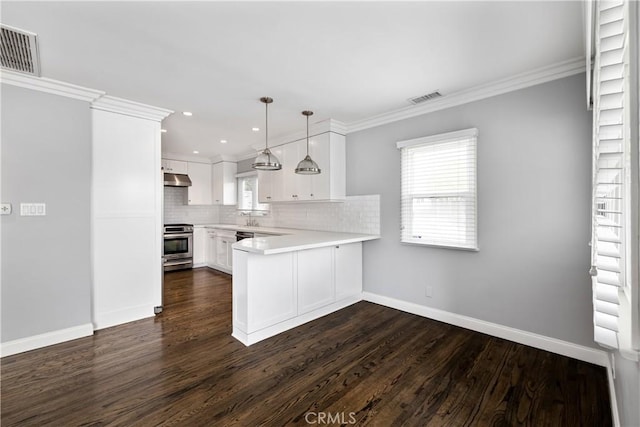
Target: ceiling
344	60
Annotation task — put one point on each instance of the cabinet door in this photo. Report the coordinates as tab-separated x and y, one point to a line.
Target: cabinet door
319	149
348	270
211	248
200	191
217	182
221	251
271	290
199	246
270	183
293	182
315	279
174	166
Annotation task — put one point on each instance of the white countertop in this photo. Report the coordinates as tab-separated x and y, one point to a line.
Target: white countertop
260	230
297	240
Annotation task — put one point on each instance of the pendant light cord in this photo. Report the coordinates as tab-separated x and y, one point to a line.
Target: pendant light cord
266	125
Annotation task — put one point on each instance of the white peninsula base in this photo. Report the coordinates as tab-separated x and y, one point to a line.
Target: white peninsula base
275	292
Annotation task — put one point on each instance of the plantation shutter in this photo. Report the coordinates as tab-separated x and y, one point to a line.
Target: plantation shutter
610	168
438	190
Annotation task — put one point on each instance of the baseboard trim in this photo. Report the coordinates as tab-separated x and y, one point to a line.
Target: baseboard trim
118	317
44	340
565	348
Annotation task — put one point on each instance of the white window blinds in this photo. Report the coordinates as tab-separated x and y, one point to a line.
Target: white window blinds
438	190
610	169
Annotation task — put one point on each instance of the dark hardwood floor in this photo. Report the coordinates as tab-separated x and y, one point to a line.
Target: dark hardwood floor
364	365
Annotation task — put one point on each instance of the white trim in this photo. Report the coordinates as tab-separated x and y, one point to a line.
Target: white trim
254	337
247	156
55	87
125	315
44	340
615	415
443	137
130	108
223	158
565	348
244	174
520	81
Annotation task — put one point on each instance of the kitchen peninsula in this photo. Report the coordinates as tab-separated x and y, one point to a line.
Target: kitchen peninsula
280	282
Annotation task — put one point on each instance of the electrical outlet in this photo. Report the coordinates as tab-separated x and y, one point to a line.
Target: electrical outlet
429	291
5	209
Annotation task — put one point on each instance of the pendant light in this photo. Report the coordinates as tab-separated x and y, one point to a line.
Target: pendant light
266	161
306	165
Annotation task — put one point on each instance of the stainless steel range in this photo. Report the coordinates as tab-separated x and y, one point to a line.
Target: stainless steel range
178	246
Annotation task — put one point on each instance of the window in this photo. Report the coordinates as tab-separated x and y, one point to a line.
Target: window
248	193
438	195
613	242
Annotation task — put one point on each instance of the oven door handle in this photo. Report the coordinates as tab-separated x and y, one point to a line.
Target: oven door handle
178	235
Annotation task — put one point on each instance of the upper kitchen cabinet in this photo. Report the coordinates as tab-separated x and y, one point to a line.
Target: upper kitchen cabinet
200	191
271	183
328	151
175	166
224	183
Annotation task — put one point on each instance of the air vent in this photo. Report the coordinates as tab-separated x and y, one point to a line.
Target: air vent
19	50
425	98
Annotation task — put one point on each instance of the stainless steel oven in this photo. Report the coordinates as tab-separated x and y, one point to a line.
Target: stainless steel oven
178	246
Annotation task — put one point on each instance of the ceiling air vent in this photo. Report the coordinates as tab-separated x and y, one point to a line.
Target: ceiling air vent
424	98
19	50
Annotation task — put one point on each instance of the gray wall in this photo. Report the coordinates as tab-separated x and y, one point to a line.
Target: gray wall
46	157
534	178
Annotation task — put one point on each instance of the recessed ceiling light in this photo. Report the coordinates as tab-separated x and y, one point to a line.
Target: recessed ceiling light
163	130
195	152
255	129
223	141
187	113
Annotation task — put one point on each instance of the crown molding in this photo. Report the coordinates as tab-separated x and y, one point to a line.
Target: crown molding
498	87
247	156
130	108
44	84
317	128
223	158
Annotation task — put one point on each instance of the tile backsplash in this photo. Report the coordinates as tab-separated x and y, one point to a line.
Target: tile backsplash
357	214
177	211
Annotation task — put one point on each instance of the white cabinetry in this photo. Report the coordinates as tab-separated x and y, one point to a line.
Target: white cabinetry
348	270
271	183
315	279
224	183
175	166
274	293
264	293
211	248
200	191
328	151
220	255
199	246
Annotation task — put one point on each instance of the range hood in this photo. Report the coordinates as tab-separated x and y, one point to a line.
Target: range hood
176	180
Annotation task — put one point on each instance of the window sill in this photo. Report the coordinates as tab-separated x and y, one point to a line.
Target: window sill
432	245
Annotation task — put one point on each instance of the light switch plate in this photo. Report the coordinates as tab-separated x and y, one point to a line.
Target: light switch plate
5	209
33	209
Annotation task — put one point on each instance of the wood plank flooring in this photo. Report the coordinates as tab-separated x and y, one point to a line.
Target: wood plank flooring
364	365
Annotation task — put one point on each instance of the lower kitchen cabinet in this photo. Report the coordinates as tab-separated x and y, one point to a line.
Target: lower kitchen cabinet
220	253
315	279
199	246
274	293
348	270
